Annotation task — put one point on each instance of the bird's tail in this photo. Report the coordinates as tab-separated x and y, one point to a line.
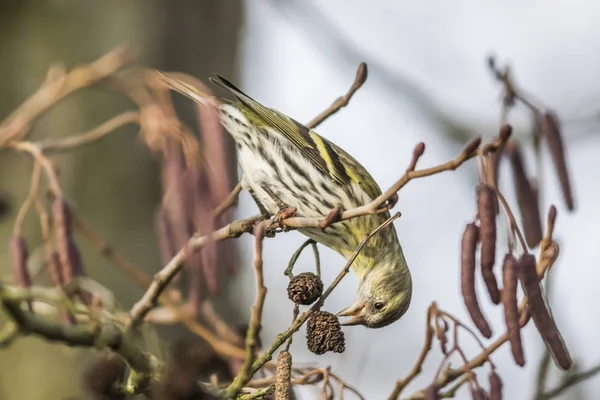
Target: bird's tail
185	88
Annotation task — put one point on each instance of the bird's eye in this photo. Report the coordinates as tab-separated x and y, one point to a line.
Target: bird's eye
379	305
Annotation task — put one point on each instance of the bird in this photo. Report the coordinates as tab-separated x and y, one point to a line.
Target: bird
287	166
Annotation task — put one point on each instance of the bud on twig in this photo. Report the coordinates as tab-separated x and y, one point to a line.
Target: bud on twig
472	145
526	197
486	208
440	333
511	308
469	246
540	313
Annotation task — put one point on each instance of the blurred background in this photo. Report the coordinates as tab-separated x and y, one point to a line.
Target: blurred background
428	81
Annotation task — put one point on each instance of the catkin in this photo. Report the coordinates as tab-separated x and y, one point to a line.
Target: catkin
63	231
539	312
511	309
431	393
527	197
468	248
495	386
552	132
283	376
19	255
486	208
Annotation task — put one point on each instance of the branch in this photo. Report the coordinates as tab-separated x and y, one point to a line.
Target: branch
96	334
235	229
221	347
17	124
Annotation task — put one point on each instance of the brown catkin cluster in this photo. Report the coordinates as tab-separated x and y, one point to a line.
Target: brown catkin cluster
305	288
324	333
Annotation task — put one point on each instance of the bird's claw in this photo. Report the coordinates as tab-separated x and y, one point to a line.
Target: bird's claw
277	221
333	216
248	224
388	204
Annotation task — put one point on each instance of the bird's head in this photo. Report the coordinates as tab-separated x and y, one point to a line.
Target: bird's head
384	294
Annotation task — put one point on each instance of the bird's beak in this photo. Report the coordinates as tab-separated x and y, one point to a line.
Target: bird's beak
353	311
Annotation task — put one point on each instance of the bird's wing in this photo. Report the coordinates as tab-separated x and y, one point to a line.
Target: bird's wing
324	155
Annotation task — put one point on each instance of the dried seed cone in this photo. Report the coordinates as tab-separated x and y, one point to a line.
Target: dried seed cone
305	288
103	375
324	333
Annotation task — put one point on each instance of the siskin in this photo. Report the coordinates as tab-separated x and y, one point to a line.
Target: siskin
285	165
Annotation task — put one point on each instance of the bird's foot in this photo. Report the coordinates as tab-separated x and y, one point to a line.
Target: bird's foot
388	204
333	216
248	224
277	221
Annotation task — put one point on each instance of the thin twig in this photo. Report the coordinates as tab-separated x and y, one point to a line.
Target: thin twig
568	382
35	151
246	372
229	201
17	124
93	136
418	366
339	103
